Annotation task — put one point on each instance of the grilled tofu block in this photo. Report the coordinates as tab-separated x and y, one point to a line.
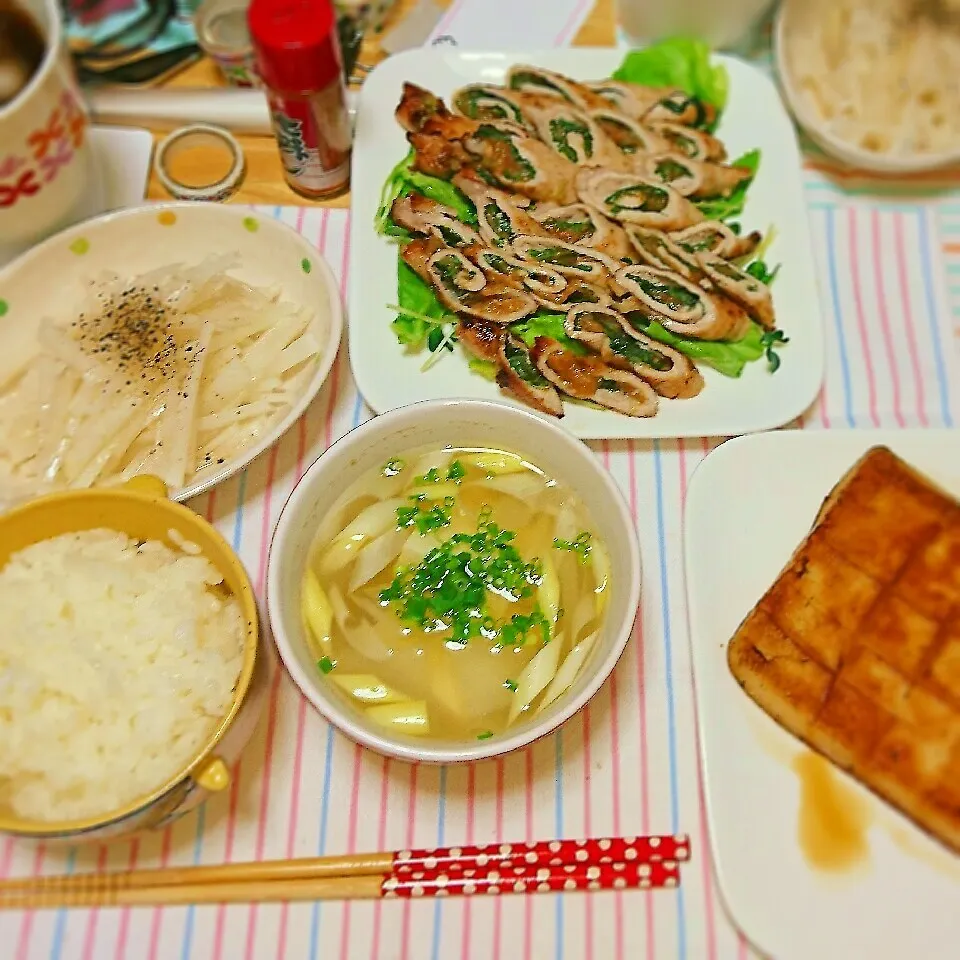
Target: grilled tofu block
855	649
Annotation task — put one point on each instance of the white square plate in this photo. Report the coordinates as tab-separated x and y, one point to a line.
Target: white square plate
750	504
388	377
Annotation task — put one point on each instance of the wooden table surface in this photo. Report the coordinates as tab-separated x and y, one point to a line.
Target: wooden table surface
264	182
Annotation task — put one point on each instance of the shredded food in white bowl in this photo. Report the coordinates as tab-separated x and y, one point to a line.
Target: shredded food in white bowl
882	76
171	373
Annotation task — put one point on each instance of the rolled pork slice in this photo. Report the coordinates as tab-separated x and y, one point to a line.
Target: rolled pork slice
630	99
683	108
580	224
417	106
694	178
530	79
742	288
587	377
485	101
574	134
715	237
570	259
538	280
519	377
693	144
576	292
521	164
439	143
481	338
658	250
630	136
683	307
417	254
632	198
464	288
608	333
423	216
501	215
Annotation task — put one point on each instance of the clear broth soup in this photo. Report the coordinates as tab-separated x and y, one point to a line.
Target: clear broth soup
453	592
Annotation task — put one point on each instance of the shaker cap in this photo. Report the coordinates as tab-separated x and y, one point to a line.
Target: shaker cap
296	44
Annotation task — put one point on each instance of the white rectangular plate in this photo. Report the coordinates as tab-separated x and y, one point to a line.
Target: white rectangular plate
750	503
389	377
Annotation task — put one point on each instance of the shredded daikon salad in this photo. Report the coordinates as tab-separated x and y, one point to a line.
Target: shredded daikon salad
884	75
171	373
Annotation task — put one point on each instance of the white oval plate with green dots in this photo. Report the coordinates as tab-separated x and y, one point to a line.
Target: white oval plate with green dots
50	279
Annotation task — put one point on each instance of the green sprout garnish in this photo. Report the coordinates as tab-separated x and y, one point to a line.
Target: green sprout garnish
770	341
425	520
486	735
447	591
457	471
581	546
325	664
393	467
511	685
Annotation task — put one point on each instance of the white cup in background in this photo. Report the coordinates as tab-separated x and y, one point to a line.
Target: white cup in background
721	23
49	177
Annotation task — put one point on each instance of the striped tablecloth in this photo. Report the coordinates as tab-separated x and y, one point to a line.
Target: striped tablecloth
889	262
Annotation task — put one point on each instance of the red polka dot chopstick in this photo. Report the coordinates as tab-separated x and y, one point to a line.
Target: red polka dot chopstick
555	866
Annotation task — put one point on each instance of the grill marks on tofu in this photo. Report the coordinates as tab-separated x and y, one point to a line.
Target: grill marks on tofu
855	648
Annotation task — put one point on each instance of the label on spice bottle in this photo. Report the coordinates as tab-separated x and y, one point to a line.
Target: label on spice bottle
314	150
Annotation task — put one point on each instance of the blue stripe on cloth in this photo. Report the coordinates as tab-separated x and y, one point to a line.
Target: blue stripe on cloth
327	778
441	834
60	924
236	539
558	831
933	317
322	842
668	670
831	232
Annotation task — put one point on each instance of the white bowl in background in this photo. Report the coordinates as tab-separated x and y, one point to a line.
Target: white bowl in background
816	128
455	422
140	239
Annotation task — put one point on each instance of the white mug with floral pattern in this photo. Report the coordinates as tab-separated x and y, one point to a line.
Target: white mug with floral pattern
49	176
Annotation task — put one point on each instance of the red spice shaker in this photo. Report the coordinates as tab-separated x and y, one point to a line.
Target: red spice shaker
298	60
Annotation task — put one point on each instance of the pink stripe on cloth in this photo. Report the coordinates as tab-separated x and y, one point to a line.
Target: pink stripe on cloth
498	822
642	711
411	816
156	920
123	925
266	526
854	255
877	260
353	820
90	933
612	686
469	817
707	876
573	23
450	15
906	309
26	924
381	845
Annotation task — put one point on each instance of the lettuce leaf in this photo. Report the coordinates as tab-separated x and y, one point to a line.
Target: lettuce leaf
723	208
427	313
404	180
545	324
678	62
729	357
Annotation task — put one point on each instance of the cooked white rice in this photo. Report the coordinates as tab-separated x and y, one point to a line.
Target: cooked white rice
117	661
